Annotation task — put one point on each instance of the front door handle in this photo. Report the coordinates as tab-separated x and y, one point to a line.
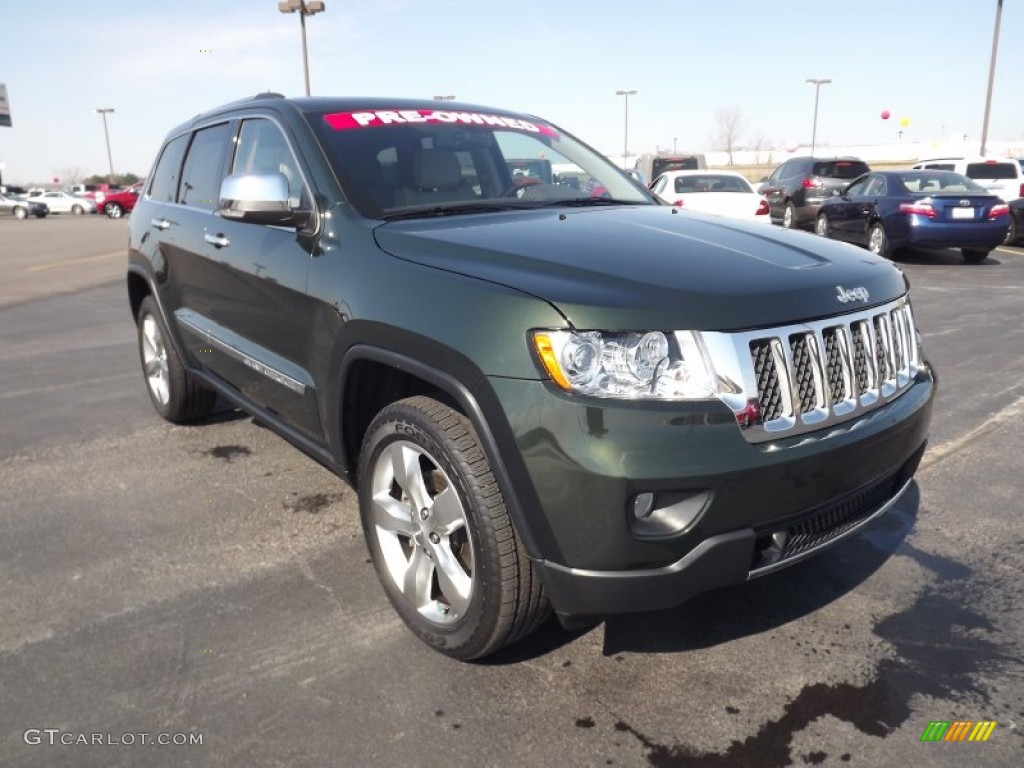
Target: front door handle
217	241
160	223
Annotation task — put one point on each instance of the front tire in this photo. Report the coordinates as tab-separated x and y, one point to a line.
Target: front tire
440	535
821	225
972	256
20	213
789	216
77	209
878	241
113	210
176	396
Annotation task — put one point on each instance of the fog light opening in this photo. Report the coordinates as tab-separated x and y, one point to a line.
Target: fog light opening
666	513
643	505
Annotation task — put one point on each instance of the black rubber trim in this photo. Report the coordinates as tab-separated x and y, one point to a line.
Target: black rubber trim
716	562
512	487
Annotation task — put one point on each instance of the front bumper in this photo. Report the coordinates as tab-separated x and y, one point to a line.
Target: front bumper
587	461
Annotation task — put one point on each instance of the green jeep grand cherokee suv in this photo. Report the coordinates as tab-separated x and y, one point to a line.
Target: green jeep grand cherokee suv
547	397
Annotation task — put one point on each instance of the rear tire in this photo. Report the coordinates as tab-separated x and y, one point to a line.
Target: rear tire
789	216
20	213
974	257
113	210
1011	233
821	227
440	535
175	395
878	241
77	209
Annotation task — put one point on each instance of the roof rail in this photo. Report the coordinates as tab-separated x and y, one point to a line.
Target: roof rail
268	95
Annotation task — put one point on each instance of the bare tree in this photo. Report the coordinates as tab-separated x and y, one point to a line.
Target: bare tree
730	125
68	176
760	144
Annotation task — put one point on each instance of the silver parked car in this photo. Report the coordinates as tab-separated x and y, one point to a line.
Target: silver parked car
20	208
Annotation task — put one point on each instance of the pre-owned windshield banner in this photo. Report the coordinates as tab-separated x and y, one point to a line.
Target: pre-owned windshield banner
343	121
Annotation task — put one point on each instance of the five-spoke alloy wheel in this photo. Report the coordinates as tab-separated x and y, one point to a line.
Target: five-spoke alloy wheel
439	533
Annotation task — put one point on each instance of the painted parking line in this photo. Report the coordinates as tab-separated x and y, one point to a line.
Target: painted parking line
54	265
1014	251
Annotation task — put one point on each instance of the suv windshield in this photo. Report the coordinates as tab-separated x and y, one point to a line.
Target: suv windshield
432	162
840	169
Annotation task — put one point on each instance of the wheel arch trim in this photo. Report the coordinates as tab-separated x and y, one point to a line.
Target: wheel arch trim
513	480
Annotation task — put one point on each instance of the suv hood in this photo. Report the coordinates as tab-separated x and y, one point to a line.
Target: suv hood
645	267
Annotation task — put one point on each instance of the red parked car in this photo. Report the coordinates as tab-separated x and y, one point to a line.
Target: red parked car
117	204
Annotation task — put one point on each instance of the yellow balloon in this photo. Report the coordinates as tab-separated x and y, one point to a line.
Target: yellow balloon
904	122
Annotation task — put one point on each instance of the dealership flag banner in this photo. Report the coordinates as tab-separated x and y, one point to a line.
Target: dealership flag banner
5	108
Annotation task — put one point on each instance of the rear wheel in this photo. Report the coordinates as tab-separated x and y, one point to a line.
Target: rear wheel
974	256
878	241
439	533
821	225
113	210
20	213
789	216
175	395
77	209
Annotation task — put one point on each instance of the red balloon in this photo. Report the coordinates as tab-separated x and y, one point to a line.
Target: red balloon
885	114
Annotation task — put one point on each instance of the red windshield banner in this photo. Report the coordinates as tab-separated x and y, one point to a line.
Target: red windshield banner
343	121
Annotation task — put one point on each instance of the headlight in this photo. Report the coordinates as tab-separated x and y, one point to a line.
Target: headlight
651	365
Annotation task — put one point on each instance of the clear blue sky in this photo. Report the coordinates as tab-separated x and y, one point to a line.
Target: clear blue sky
158	62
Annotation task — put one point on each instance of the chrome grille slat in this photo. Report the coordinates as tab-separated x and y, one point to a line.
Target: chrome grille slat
811	375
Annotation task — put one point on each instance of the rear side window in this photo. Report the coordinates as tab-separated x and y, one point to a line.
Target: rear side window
204	164
663	164
992	171
840	169
165	175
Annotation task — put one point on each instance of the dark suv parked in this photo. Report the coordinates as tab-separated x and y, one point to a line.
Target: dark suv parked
798	187
598	404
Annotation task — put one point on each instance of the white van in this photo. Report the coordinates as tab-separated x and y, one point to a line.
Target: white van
1001	175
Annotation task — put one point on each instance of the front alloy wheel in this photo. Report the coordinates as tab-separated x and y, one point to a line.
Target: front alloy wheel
77	209
421	528
821	225
439	534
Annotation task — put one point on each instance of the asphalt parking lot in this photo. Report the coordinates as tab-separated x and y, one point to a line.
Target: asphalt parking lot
210	581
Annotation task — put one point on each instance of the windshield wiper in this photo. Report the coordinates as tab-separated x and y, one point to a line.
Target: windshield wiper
586	201
453	210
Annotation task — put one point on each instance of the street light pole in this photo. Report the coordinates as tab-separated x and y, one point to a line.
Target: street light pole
625	130
104	111
818	82
991	77
305	8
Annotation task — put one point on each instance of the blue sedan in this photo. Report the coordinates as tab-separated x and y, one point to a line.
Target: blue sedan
887	210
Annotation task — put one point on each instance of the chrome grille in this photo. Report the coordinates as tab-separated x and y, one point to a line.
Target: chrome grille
804	377
834	368
769	391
